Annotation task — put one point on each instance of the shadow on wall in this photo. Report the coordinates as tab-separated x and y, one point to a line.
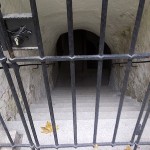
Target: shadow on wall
85	43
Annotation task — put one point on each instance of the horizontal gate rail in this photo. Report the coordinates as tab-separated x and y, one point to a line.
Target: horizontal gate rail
73	146
52	63
79	58
134	62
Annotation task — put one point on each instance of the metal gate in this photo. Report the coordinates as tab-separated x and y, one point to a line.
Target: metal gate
18	36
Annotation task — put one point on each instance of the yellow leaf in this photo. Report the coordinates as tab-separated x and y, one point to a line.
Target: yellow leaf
128	147
48	128
95	147
44	130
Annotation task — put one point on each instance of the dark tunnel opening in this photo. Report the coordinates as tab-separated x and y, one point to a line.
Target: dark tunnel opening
85	43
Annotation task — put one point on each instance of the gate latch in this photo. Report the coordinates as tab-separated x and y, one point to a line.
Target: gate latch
19	35
138	129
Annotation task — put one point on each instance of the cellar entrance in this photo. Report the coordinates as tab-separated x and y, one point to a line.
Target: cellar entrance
85	43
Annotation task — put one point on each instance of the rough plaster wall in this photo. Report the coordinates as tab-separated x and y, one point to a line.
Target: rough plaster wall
140	76
32	78
53	22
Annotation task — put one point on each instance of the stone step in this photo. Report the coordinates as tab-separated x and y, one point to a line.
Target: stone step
93	93
82	115
82	95
83	88
83	104
86	94
85	99
85	131
84	109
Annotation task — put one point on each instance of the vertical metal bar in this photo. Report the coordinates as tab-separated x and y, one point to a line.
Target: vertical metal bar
44	68
141	112
13	90
129	64
6	43
137	26
20	84
72	65
6	130
100	64
142	127
70	27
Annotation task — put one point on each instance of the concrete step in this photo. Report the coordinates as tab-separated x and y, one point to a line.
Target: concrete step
82	115
85	99
84	109
93	93
83	94
80	95
84	91
83	104
85	127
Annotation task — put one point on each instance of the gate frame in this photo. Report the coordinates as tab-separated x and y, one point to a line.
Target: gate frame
5	42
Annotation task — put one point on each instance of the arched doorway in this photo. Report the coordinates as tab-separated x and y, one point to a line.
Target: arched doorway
85	43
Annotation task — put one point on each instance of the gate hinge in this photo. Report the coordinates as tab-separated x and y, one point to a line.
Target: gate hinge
138	129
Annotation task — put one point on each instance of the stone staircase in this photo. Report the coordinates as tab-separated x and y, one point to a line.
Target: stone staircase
62	103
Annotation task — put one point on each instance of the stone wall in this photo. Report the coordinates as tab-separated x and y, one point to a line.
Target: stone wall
53	22
140	76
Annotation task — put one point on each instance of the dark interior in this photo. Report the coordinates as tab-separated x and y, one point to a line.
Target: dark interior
85	43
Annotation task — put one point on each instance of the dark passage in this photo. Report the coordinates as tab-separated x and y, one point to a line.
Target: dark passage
85	43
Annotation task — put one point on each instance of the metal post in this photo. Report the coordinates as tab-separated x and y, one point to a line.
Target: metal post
72	65
100	64
129	65
44	68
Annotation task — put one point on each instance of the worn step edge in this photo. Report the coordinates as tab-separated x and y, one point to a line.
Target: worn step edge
80	109
81	115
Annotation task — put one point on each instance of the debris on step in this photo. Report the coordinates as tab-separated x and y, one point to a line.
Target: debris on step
96	147
128	147
48	128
